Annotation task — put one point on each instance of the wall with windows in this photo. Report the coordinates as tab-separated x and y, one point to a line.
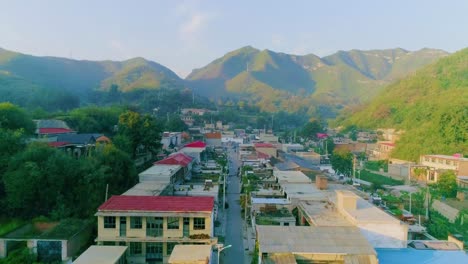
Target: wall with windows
109	226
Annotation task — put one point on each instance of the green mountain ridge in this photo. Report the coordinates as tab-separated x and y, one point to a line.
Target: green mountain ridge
431	106
269	79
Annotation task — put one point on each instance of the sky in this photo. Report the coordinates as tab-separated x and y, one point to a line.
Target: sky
183	35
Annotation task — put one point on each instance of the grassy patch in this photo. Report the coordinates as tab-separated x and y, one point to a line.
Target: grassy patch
378	179
377	165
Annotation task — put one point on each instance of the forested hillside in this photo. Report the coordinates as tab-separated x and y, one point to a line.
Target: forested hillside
431	106
275	81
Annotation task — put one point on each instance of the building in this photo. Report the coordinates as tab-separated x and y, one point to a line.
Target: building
102	255
195	150
52	128
311	156
266	148
171	140
380	229
151	226
268	138
195	111
438	164
191	254
213	139
309	244
382	150
162	173
283	177
184	160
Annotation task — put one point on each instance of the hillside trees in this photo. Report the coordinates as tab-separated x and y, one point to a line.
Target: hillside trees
310	130
13	117
92	119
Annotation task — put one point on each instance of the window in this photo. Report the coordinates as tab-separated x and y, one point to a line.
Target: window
173	223
170	247
135	222
135	248
198	223
108	243
109	221
154	251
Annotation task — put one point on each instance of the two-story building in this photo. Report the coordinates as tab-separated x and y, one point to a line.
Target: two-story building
151	226
437	164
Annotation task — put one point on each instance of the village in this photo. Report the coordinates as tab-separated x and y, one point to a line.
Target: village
223	195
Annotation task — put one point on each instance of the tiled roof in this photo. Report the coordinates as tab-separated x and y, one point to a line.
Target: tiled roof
54	130
196	144
58	144
176	159
158	204
214	135
264	145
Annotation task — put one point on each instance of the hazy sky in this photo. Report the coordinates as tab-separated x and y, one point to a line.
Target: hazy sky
183	35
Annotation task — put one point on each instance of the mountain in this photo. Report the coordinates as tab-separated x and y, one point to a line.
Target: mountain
20	74
274	80
431	106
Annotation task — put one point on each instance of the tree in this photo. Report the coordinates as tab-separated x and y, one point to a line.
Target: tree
138	131
13	117
94	119
342	162
174	123
311	129
447	184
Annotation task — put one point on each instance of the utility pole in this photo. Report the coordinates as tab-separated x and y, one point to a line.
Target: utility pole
410	202
224	193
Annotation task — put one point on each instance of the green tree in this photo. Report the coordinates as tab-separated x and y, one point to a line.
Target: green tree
138	131
342	162
447	184
175	124
311	129
94	119
13	117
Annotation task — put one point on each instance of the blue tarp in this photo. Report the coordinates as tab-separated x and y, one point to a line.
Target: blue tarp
415	256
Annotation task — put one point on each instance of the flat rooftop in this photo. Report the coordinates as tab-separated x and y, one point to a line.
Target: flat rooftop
101	255
366	212
313	240
306	191
197	190
160	172
183	254
269	201
147	189
291	177
323	213
411	255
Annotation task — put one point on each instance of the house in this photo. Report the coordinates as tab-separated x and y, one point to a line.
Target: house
51	128
292	147
437	164
102	255
151	226
171	140
195	150
268	138
78	144
162	173
310	156
310	244
53	242
213	139
266	148
219	125
191	254
184	160
382	150
195	111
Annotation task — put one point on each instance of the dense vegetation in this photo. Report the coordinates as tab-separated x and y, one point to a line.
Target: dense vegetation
274	81
431	107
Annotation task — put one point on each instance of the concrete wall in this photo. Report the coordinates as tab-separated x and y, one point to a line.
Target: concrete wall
446	210
400	170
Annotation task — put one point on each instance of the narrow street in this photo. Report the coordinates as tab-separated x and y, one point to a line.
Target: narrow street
235	254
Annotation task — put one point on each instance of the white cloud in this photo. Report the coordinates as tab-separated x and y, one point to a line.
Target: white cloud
193	24
193	20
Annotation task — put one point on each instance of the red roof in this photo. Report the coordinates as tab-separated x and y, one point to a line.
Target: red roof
57	144
54	130
158	203
196	144
321	135
264	145
388	144
262	155
176	159
214	135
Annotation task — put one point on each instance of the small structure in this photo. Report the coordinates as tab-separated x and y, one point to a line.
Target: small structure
213	139
181	159
314	244
162	173
52	127
321	182
102	255
292	147
194	150
291	177
171	140
191	254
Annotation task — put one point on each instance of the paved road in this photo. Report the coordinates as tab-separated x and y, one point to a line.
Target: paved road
235	254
